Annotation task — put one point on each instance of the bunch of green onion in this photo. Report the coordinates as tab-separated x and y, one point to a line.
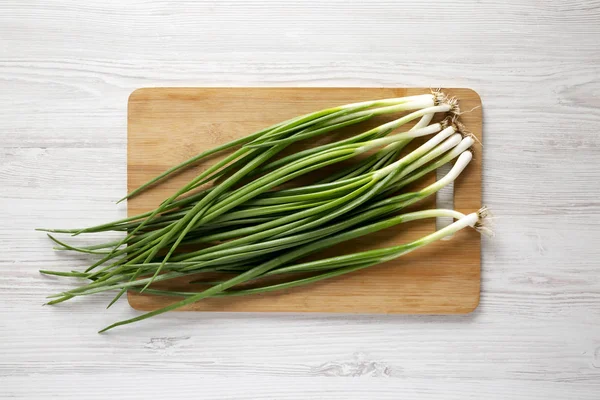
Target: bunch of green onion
246	226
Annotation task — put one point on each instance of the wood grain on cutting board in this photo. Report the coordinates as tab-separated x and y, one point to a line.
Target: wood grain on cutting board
168	125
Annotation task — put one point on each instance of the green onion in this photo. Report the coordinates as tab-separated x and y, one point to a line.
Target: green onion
250	228
382	256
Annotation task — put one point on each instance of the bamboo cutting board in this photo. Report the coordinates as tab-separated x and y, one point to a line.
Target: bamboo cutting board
169	125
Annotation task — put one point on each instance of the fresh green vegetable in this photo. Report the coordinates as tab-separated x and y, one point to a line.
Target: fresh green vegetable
249	227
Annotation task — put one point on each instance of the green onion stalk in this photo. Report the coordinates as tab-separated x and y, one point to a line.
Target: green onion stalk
250	228
350	263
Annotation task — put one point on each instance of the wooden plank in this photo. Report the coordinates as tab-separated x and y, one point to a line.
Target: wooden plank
168	125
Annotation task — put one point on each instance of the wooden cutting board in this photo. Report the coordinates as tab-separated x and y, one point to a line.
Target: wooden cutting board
169	125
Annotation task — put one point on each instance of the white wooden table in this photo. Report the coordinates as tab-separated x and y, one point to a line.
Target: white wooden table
66	69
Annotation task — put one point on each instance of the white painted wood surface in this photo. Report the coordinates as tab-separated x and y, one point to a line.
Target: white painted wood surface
66	69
